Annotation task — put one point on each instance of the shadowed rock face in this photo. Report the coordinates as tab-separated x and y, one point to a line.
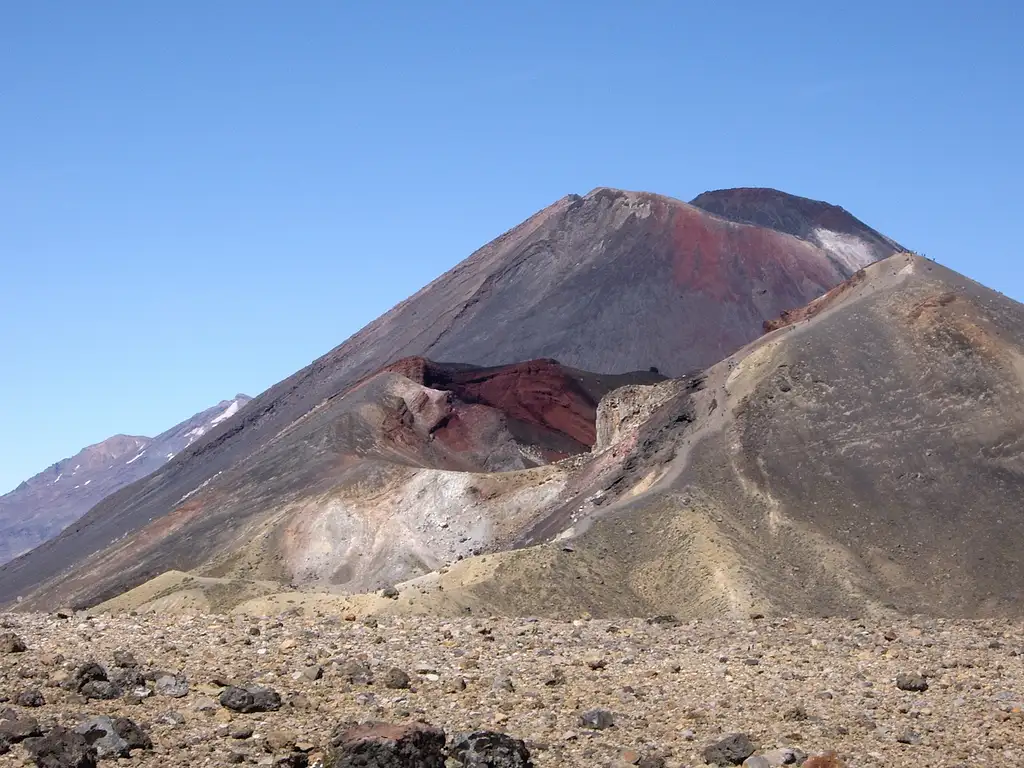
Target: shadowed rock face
43	505
612	281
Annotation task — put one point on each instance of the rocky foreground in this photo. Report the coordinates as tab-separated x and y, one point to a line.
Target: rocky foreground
292	691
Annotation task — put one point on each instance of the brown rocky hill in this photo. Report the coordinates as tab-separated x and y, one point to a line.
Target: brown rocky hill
612	282
45	504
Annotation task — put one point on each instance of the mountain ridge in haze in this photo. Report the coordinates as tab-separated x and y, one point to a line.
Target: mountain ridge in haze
40	507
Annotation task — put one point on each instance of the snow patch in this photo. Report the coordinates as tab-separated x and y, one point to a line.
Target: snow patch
136	458
87	482
170	455
58	479
194	434
199	487
852	252
230	411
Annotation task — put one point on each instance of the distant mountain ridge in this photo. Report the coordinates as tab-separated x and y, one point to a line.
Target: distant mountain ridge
42	506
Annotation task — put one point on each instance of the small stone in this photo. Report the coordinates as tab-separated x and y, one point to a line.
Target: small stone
732	749
795	713
911	681
784	756
757	761
253	699
31	698
396	679
205	704
503	684
100	689
170	718
595	660
241	732
312	673
172	686
125	659
909	737
289	644
280	740
390	592
356	673
11	643
596	719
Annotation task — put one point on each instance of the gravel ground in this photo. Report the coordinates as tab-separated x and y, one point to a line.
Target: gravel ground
671	688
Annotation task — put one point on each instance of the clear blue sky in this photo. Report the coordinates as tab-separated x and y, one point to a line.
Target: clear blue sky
198	198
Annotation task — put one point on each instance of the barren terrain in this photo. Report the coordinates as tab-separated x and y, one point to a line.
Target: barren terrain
671	689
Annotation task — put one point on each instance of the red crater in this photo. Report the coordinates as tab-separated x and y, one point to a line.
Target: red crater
540	398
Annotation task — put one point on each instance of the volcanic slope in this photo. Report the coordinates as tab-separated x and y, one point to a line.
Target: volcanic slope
865	460
43	505
612	281
411	468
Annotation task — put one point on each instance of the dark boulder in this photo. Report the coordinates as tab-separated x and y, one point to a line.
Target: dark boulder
379	745
251	699
61	748
489	749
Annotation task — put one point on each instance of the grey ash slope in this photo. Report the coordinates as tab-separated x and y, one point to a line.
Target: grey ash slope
609	282
45	504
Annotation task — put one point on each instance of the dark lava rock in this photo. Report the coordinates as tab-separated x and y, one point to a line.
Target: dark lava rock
597	719
61	748
390	592
396	678
911	681
101	689
11	643
134	736
15	727
489	749
733	749
32	698
356	673
252	699
127	677
88	672
379	745
171	718
101	735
